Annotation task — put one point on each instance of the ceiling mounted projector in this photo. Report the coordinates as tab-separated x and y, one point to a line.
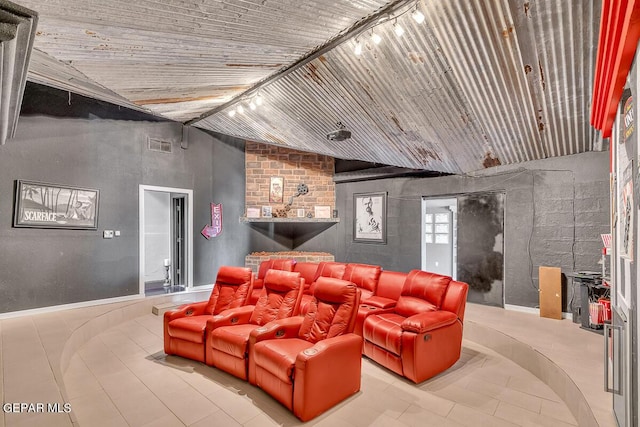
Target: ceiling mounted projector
340	134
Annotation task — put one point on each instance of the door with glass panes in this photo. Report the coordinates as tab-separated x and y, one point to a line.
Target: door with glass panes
438	237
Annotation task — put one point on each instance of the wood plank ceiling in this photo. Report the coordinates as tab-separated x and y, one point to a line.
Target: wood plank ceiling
476	84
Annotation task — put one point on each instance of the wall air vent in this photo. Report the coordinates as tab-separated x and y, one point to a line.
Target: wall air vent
17	31
154	144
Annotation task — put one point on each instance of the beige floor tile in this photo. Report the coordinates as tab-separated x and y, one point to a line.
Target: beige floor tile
469	398
356	412
386	421
532	386
326	421
44	391
188	405
389	404
25	371
466	416
164	383
168	420
523	417
419	417
261	420
415	396
558	411
95	409
38	420
216	419
238	407
514	397
122	385
78	385
141	407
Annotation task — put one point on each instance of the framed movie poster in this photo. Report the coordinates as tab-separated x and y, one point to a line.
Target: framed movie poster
276	189
42	205
370	217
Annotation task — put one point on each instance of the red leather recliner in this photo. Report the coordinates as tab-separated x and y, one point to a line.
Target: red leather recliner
324	269
311	363
422	335
227	343
184	328
285	264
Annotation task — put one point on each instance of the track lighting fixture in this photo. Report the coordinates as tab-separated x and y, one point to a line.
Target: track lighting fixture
358	48
398	29
417	16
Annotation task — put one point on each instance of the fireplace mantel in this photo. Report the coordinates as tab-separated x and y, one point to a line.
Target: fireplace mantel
291	232
245	220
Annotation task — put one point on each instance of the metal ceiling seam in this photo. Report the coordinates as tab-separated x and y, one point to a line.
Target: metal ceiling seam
336	40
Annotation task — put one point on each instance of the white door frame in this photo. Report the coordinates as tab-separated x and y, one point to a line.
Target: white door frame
189	227
438	201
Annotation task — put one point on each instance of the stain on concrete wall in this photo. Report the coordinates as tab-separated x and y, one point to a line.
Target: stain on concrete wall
480	246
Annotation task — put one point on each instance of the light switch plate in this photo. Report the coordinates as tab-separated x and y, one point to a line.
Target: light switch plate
117	233
107	234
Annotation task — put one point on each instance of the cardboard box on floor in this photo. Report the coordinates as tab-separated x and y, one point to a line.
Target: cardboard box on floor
550	284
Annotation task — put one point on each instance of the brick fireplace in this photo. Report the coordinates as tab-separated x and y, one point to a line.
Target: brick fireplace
262	162
254	259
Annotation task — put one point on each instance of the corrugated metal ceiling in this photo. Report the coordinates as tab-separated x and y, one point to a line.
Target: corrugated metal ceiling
477	84
17	31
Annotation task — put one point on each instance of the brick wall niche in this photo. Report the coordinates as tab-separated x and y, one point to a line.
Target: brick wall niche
263	161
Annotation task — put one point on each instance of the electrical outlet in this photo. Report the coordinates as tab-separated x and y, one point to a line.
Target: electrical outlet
107	234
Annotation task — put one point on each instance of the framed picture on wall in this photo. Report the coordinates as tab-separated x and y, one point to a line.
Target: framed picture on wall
276	189
42	205
370	218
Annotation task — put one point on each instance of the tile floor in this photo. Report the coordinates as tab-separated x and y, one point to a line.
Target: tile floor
120	376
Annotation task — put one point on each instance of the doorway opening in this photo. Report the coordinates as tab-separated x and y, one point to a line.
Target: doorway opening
166	240
439	236
463	237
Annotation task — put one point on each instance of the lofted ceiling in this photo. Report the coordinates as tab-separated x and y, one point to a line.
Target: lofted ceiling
477	84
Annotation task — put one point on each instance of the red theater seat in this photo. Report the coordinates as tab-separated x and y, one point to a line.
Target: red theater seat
311	363
284	264
227	334
184	328
323	269
422	335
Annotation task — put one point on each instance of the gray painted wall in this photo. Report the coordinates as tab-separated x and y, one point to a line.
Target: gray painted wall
555	211
46	267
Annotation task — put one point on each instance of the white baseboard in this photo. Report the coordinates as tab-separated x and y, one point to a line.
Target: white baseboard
54	308
533	310
83	304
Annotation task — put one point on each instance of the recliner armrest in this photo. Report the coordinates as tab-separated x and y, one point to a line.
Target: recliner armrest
232	316
282	328
325	350
331	364
186	310
428	321
379	302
